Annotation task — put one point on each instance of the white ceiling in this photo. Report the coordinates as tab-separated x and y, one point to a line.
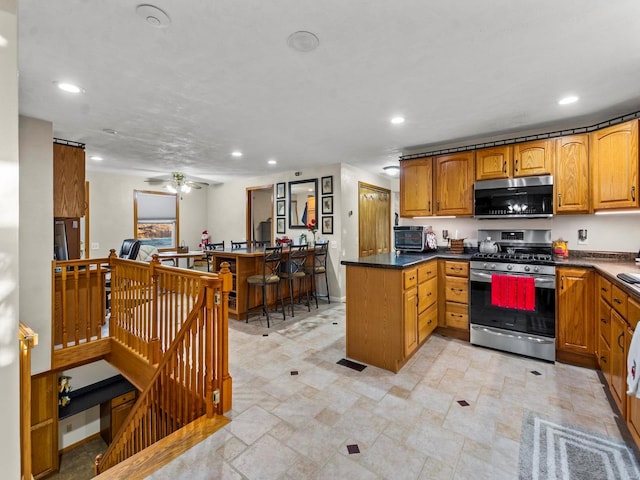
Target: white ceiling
221	77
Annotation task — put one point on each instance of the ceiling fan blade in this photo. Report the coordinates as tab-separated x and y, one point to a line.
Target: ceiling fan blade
156	181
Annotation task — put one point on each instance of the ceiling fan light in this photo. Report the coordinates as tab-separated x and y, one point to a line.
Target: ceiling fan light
185	188
171	188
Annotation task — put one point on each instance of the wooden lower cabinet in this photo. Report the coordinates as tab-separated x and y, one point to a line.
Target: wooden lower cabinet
454	297
113	414
410	321
633	403
427	322
575	305
44	424
618	381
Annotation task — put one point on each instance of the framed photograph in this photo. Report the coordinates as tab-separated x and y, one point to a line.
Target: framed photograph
327	185
327	225
280	225
327	205
280	190
280	208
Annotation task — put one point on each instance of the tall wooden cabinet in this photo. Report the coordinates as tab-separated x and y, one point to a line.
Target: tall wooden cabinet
68	181
575	303
571	180
613	154
454	184
416	187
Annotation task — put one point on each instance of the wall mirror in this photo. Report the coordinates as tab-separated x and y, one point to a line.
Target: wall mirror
303	204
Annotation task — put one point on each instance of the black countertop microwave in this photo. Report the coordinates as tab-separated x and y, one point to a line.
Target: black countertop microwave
523	197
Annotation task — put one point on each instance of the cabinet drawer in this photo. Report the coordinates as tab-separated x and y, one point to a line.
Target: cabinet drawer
123	398
456	269
427	294
456	315
456	290
410	278
604	359
427	271
619	300
633	312
604	287
604	321
427	322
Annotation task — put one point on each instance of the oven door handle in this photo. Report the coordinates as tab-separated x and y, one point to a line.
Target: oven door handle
519	336
545	281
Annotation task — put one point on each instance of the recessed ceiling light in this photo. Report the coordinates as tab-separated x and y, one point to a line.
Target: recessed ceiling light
153	16
69	87
110	131
391	170
397	120
236	154
96	158
568	100
3	41
272	162
303	41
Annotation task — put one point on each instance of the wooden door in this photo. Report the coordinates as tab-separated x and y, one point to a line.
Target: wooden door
496	162
618	361
454	184
575	306
416	187
374	220
533	158
572	174
44	424
613	153
68	181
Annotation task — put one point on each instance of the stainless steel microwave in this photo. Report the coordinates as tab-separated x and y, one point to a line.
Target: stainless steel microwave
414	238
523	197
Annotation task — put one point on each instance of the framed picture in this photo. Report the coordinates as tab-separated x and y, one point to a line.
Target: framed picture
280	208
280	190
327	225
327	185
327	205
280	225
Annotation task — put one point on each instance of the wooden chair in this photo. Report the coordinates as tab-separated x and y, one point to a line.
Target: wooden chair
261	243
295	269
209	248
319	267
238	245
269	276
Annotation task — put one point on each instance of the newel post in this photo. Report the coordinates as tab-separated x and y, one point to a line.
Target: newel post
155	353
227	283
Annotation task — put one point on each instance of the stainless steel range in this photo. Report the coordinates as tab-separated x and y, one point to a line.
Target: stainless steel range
513	297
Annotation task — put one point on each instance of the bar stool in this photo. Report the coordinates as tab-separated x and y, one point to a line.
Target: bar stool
210	247
261	243
294	269
269	276
318	268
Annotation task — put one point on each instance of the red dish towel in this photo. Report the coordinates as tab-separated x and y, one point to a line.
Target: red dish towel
509	291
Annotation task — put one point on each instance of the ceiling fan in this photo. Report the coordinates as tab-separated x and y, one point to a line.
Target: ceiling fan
177	183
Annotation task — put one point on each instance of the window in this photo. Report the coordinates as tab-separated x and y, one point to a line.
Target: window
156	219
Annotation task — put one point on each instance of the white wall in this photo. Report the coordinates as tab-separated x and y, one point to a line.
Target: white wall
111	211
36	232
9	244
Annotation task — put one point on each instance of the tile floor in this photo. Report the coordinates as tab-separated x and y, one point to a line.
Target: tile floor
406	426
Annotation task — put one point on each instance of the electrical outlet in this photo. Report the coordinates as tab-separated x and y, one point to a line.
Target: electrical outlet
334	244
69	427
95	246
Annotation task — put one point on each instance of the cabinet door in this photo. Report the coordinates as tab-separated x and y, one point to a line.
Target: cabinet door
571	182
575	324
613	153
427	322
633	403
618	361
533	158
454	184
416	187
68	181
410	321
496	162
633	312
44	424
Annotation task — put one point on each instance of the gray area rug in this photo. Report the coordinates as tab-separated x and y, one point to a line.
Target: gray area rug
549	450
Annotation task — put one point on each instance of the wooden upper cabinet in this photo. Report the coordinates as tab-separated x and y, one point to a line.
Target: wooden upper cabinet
495	162
533	158
416	187
68	181
454	176
613	154
571	181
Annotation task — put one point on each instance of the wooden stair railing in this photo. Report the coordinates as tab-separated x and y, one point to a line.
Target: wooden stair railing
28	339
190	379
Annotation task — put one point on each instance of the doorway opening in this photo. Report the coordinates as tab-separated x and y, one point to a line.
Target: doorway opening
259	214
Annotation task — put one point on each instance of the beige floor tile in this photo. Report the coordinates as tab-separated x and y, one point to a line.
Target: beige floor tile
267	459
392	460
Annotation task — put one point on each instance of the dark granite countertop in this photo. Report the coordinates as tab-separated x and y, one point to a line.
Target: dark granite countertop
404	260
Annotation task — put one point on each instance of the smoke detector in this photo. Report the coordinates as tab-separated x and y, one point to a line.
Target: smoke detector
153	16
303	41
